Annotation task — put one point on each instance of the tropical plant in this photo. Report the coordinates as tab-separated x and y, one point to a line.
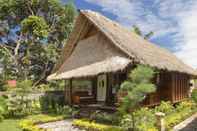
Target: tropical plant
32	34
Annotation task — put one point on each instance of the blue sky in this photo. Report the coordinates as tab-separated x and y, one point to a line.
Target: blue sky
174	22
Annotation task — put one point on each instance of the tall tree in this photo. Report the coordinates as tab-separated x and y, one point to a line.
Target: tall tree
137	30
32	33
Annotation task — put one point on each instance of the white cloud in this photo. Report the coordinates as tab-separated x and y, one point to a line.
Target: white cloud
163	17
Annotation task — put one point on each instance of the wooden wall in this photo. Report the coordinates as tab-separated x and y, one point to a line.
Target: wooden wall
172	87
180	87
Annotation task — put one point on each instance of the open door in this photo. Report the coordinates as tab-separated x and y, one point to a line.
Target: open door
101	87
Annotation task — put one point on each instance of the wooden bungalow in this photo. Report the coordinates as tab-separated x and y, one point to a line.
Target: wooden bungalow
103	52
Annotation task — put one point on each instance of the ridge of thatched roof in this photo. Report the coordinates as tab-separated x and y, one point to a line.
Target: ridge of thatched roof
139	50
136	47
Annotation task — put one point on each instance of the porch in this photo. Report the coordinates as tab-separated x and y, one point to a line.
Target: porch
101	92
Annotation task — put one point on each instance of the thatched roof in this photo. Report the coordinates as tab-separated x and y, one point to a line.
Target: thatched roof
134	47
113	64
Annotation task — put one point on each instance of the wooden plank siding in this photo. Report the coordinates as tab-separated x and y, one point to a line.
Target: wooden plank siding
172	87
180	87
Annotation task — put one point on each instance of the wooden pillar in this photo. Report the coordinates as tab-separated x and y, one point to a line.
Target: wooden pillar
109	89
94	88
65	92
71	90
173	90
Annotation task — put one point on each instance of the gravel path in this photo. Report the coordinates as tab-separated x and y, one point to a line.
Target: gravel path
191	126
64	125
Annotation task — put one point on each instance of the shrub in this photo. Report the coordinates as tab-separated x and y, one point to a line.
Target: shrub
165	107
19	101
145	119
1	114
126	122
105	118
29	124
194	95
182	111
92	126
3	108
49	103
66	111
172	119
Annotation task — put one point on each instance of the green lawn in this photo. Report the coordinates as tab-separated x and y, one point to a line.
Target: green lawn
9	125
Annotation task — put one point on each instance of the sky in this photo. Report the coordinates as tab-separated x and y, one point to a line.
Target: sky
174	22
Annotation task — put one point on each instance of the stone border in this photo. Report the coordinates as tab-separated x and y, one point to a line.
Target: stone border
184	123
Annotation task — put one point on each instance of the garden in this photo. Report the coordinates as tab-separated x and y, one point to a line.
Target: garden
32	35
22	110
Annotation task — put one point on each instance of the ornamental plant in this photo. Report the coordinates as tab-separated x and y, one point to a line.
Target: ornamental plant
137	86
194	95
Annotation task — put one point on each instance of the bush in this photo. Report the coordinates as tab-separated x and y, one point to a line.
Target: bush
194	95
126	122
66	111
165	107
1	114
105	118
50	103
19	101
92	126
181	112
142	120
29	124
3	108
19	106
145	120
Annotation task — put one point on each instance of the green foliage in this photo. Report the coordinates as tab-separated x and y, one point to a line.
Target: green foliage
144	120
9	125
19	101
3	108
137	87
35	25
40	30
181	112
29	124
165	107
194	95
105	118
92	126
126	122
49	103
1	113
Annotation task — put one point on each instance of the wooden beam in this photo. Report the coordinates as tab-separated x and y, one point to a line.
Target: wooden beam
70	92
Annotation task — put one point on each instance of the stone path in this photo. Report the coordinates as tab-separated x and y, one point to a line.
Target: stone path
64	125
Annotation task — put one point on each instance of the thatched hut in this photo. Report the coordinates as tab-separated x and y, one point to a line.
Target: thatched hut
102	51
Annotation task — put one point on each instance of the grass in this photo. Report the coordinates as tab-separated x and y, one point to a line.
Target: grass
9	125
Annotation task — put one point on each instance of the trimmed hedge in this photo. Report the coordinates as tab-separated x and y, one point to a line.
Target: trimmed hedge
29	124
92	126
